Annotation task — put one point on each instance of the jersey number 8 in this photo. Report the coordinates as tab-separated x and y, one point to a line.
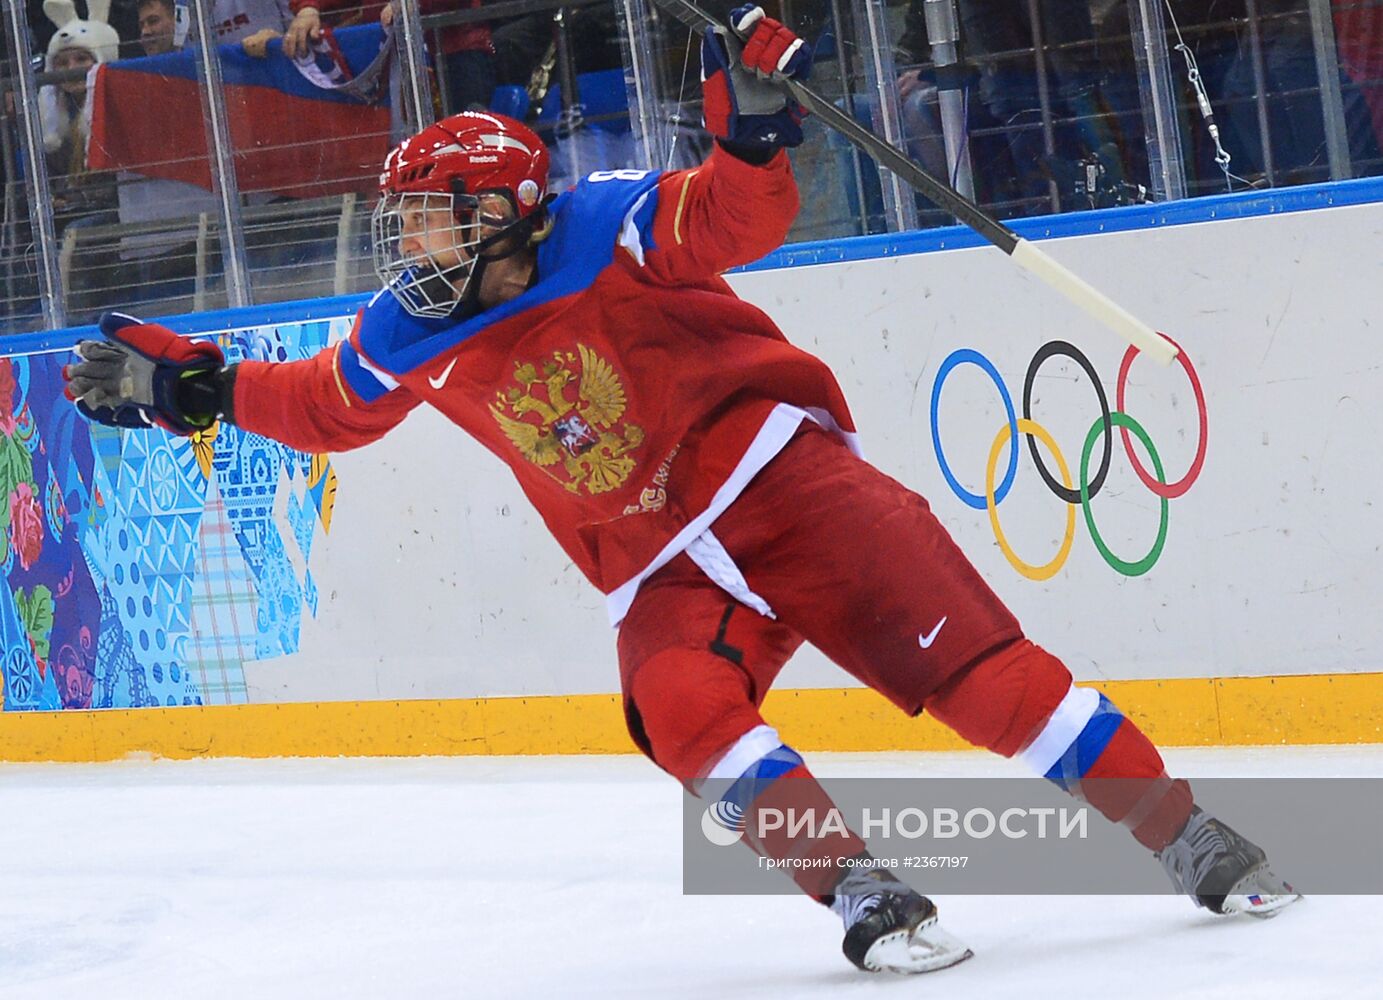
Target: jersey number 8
617	175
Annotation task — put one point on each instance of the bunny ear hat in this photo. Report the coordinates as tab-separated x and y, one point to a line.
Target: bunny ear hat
93	34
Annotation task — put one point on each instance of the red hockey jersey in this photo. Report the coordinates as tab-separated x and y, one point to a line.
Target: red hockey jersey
630	391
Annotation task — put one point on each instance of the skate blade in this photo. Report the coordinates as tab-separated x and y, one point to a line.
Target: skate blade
1260	894
924	948
1261	905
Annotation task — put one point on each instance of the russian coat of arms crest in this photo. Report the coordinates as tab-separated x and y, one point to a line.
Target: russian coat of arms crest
550	428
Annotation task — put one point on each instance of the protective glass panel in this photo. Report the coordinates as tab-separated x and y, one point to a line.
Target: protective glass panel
1042	106
133	205
310	104
1257	70
21	307
1029	107
312	118
560	70
1293	87
840	195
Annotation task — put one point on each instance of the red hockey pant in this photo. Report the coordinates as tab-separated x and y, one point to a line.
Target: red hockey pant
856	564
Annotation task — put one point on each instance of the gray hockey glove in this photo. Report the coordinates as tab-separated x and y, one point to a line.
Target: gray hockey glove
145	375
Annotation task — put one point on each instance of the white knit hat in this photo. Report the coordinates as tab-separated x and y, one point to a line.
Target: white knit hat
94	34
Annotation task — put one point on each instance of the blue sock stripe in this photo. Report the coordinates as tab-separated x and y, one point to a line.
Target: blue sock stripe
1081	755
760	775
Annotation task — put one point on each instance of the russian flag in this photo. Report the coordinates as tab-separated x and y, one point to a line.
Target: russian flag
291	135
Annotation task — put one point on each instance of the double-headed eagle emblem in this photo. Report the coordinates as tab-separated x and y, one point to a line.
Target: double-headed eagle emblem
580	433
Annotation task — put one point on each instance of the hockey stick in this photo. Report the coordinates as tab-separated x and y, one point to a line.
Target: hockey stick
1024	252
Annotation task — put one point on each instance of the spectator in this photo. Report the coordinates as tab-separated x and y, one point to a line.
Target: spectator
526	48
156	26
1292	102
252	23
525	52
122	17
1088	102
579	107
75	45
468	54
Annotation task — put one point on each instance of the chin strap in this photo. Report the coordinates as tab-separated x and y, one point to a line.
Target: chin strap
535	227
528	226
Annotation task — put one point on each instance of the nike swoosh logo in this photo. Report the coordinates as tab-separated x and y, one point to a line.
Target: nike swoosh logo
441	379
925	641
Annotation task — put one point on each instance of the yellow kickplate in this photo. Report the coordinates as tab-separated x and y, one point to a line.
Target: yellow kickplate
1230	711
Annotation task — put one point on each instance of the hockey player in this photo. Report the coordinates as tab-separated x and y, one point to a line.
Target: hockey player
699	469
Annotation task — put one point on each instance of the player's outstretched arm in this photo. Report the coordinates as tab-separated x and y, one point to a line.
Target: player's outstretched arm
740	203
145	375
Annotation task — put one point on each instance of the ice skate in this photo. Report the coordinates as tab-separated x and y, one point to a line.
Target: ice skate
1223	871
891	928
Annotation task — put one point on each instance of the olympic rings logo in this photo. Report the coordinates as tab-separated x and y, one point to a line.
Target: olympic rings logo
1089	487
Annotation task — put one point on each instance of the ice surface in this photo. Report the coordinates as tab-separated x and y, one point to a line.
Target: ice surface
552	877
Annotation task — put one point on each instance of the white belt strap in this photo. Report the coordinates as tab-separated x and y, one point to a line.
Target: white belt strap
706	551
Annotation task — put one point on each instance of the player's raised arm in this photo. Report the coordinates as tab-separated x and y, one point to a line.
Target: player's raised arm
145	375
740	203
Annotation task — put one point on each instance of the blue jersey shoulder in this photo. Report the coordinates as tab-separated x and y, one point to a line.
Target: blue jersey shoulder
387	330
606	209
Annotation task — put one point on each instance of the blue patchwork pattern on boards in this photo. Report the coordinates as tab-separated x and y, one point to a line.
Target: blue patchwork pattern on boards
310	593
224	610
124	681
111	599
120	679
247	478
280	601
151	551
303	520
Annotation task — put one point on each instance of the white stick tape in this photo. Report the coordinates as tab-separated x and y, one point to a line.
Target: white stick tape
1095	302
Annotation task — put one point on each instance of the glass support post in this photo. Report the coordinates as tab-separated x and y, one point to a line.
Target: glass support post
571	113
847	90
36	187
650	131
224	185
943	34
1158	98
900	206
443	77
1044	94
417	97
1260	90
1332	101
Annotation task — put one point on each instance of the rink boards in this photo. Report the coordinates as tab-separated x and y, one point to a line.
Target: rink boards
405	599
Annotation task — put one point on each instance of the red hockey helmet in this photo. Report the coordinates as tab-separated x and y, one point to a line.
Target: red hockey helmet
449	194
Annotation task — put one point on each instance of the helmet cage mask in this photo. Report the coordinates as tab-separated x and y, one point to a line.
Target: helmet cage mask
447	233
477	181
